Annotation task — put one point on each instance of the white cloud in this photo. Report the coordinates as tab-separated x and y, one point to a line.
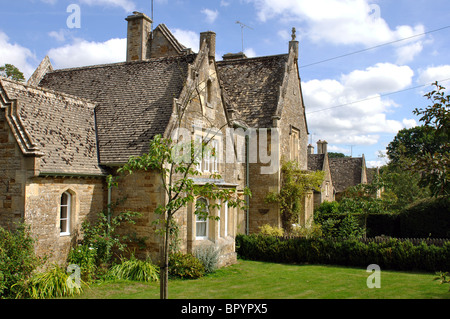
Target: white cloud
17	55
409	123
189	39
341	22
250	53
82	53
283	34
381	78
333	110
127	5
211	15
433	74
407	53
60	35
224	3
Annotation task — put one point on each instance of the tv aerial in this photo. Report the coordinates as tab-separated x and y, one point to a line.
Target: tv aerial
243	26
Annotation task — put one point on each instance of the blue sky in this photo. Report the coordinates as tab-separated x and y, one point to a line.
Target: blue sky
348	100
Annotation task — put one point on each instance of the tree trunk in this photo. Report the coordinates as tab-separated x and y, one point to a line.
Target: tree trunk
164	272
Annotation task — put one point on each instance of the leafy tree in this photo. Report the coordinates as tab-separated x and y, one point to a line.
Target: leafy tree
402	186
336	155
411	143
435	166
11	72
294	186
426	149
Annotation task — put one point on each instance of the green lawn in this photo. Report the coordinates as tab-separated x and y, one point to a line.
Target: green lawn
259	280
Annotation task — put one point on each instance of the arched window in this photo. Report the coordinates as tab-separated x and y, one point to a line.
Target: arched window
201	221
64	213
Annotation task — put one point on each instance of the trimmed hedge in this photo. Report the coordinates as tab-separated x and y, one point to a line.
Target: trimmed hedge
426	218
393	254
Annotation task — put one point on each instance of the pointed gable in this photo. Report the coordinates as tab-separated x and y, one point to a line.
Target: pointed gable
162	43
252	87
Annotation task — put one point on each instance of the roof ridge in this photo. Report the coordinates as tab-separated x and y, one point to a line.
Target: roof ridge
96	66
47	90
253	59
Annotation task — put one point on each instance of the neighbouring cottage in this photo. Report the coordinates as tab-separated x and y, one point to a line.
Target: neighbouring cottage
65	130
340	173
321	162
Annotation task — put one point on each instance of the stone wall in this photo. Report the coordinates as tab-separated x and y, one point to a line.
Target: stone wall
14	171
42	211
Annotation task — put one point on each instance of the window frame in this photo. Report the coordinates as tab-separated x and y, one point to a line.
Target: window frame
67	219
207	163
202	221
294	143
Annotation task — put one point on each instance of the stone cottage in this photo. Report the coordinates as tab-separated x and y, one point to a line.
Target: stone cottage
321	162
65	130
264	97
340	173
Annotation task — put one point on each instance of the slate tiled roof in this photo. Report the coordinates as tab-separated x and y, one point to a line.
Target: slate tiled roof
61	127
315	162
252	87
134	99
346	172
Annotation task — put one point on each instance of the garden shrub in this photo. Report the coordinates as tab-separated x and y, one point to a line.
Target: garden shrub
135	269
269	230
185	266
311	231
85	257
104	236
17	259
393	254
209	256
51	283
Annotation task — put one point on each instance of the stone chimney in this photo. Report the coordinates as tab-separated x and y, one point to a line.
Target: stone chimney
293	44
139	30
210	38
310	149
322	147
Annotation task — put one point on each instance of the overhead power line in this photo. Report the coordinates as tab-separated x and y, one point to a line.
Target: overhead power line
376	97
372	48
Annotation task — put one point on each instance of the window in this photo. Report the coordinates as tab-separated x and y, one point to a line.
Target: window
64	214
295	144
207	161
201	222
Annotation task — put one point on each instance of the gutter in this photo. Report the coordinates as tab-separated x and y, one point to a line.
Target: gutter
247	180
